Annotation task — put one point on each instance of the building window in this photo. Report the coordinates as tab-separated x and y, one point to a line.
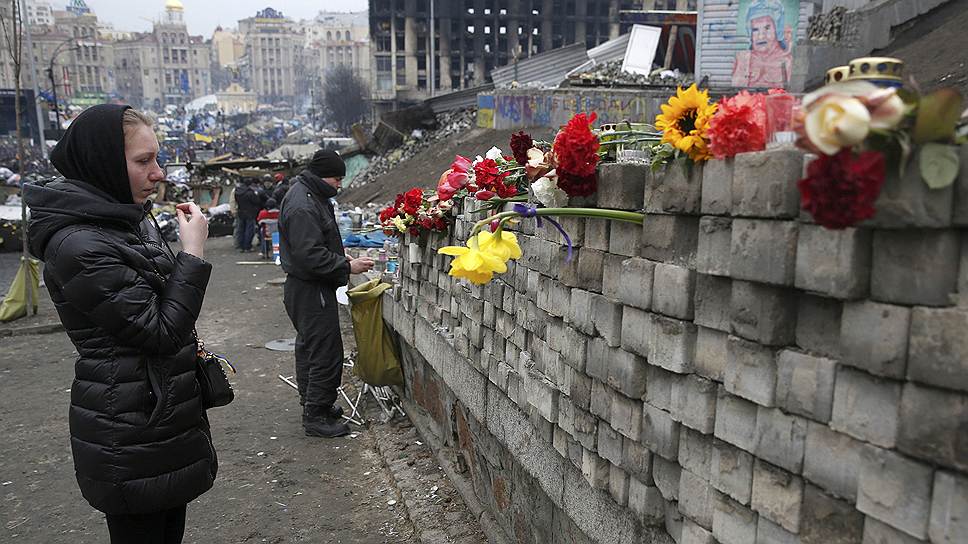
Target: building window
348	38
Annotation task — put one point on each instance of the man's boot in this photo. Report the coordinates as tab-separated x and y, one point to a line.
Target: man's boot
335	411
319	421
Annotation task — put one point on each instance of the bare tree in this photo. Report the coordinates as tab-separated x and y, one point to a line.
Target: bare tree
344	97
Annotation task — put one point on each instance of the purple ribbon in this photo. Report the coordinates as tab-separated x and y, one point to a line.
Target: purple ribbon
528	211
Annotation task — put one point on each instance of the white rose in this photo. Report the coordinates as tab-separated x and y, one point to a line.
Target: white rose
547	192
836	121
494	154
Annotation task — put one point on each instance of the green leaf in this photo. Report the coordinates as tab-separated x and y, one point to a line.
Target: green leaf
938	113
939	165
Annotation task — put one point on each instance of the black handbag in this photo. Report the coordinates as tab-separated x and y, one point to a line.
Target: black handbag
212	381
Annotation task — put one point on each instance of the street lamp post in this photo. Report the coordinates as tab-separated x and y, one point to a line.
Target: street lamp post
53	84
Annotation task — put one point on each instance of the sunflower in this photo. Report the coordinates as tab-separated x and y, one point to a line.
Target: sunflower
684	122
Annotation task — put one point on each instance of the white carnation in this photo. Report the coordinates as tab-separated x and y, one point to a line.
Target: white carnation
548	193
494	154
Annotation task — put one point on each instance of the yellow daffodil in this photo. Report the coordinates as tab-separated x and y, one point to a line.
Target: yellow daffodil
684	122
504	247
473	262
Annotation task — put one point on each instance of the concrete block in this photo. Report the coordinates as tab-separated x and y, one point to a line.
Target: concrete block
695	452
572	346
591	267
618	485
939	348
627	373
768	532
805	384
735	420
710	361
660	433
697	498
693	533
659	386
580	312
667	475
621	186
636	330
908	202
597	363
595	470
553	297
580	389
646	502
780	438
629	281
764	183
671	239
673	345
866	407
717	187
566	415
543	396
625	239
606	315
777	495
763	313
731	471
874	337
609	444
876	532
568	271
835	263
895	490
824	445
677	189
949	509
933	424
733	523
712	302
673	521
827	520
763	251
694	403
673	291
597	233
713	250
818	325
586	430
915	267
626	416
637	460
601	403
750	371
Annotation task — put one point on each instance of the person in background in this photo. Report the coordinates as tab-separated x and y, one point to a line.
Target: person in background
282	185
140	437
315	262
268	220
234	209
249	199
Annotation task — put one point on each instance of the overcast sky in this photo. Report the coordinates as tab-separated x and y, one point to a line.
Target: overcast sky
203	16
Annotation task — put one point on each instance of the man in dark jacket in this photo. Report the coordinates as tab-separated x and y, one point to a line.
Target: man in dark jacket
249	198
281	187
312	255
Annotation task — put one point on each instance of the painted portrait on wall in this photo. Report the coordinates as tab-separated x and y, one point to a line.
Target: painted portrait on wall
767	57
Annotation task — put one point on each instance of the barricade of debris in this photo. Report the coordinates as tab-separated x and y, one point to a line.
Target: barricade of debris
610	74
448	124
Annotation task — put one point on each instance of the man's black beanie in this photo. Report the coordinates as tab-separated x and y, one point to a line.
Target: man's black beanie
327	163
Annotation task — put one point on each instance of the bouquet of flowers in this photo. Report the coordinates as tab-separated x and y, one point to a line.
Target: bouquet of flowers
415	213
493	175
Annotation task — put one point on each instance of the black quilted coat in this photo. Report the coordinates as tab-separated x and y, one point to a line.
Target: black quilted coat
139	435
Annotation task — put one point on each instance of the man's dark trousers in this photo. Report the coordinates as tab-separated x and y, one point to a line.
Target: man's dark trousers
312	307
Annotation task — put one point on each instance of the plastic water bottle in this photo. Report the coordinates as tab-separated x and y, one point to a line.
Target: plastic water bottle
345	224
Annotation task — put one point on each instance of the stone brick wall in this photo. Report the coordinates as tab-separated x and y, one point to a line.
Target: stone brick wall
729	372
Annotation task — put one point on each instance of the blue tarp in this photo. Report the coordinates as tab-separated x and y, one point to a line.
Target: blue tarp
370	239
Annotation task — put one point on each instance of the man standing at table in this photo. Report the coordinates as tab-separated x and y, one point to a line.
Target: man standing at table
312	255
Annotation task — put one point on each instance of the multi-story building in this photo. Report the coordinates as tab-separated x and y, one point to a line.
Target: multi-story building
334	39
226	55
273	46
472	37
164	67
39	12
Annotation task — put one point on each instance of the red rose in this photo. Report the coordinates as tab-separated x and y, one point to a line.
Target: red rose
387	214
412	201
521	142
840	190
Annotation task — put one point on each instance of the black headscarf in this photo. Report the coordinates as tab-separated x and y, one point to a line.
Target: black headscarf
92	151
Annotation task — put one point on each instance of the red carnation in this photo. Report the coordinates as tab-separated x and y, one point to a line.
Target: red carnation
412	201
577	185
576	147
840	190
521	142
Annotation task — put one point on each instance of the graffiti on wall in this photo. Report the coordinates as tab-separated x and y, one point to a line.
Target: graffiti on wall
552	109
767	29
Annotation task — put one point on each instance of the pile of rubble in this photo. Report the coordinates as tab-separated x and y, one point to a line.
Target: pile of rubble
610	74
448	123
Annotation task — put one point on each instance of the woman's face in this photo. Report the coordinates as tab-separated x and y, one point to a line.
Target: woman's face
141	154
763	33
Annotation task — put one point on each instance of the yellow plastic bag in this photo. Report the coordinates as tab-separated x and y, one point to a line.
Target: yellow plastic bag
377	363
14	305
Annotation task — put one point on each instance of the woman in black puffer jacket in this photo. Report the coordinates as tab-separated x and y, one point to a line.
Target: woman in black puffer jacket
140	438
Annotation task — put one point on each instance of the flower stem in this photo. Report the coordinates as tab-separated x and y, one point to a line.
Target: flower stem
612	215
